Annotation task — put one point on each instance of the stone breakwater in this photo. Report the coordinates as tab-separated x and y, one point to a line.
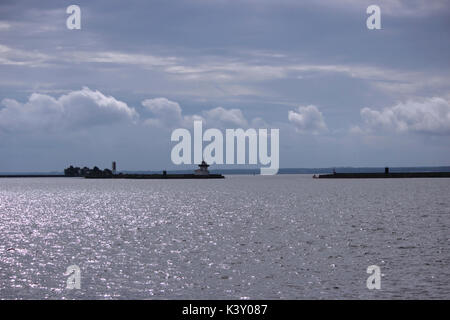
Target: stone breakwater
385	175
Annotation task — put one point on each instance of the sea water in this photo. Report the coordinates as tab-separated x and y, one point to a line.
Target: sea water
242	237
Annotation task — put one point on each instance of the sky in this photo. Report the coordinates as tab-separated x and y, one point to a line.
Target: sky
340	94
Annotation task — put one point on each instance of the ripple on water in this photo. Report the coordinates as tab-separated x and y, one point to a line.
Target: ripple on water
245	237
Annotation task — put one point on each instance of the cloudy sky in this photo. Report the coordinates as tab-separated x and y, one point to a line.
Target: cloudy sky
341	95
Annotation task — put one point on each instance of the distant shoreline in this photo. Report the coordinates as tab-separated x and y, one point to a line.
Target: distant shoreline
254	171
121	176
33	176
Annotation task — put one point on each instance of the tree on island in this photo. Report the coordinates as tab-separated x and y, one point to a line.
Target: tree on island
85	171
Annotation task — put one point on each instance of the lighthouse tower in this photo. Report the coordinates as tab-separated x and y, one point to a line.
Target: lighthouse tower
113	167
203	169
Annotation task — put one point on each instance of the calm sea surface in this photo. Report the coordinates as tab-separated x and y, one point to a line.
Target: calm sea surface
285	236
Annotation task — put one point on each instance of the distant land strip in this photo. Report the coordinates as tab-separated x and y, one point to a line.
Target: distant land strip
254	171
385	175
31	175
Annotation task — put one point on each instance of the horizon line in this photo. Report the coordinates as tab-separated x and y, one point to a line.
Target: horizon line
243	169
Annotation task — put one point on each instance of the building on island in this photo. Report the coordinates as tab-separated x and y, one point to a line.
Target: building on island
203	169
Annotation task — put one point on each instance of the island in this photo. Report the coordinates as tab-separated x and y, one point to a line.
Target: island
95	173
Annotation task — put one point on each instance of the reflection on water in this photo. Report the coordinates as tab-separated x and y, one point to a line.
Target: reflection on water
257	237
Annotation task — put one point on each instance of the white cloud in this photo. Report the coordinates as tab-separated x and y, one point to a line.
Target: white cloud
77	109
4	26
231	77
14	56
143	60
431	116
169	114
390	7
223	71
219	116
166	112
308	120
17	57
